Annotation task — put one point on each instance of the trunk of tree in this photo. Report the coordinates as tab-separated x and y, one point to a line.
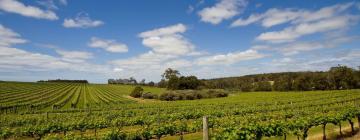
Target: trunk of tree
324	131
181	136
305	134
258	137
352	127
284	136
358	117
95	132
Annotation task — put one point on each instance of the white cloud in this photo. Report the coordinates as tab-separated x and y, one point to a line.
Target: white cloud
225	9
297	47
242	22
293	32
190	9
348	58
49	46
147	65
229	58
324	13
20	61
118	69
167	46
261	47
9	37
317	62
74	56
82	20
63	2
174	44
164	31
168	40
108	45
14	6
146	61
180	63
276	16
49	4
16	59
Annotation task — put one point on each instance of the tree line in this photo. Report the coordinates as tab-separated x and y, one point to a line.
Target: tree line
336	78
63	81
173	80
130	81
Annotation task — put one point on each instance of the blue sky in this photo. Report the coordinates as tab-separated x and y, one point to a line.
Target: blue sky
70	39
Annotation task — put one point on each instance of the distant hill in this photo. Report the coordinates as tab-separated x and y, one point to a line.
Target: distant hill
340	77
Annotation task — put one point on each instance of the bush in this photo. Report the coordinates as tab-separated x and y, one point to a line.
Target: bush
191	95
149	95
216	93
198	95
137	92
167	96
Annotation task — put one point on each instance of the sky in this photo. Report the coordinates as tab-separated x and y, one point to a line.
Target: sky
98	40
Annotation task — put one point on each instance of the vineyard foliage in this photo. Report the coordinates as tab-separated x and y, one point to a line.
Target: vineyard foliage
63	110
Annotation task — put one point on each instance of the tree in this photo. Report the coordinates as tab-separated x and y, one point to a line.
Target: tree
173	83
137	92
170	73
142	82
189	82
133	80
151	83
283	83
263	86
246	86
303	83
321	81
342	77
162	83
357	73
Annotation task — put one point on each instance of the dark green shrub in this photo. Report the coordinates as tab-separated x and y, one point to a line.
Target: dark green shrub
221	94
198	95
191	94
189	97
216	93
137	92
168	96
149	95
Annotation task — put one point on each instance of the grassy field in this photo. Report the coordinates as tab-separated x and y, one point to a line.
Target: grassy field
88	111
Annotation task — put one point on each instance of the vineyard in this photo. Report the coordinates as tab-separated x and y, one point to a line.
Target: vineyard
91	111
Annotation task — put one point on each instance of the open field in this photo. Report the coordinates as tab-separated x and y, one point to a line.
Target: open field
25	97
59	110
